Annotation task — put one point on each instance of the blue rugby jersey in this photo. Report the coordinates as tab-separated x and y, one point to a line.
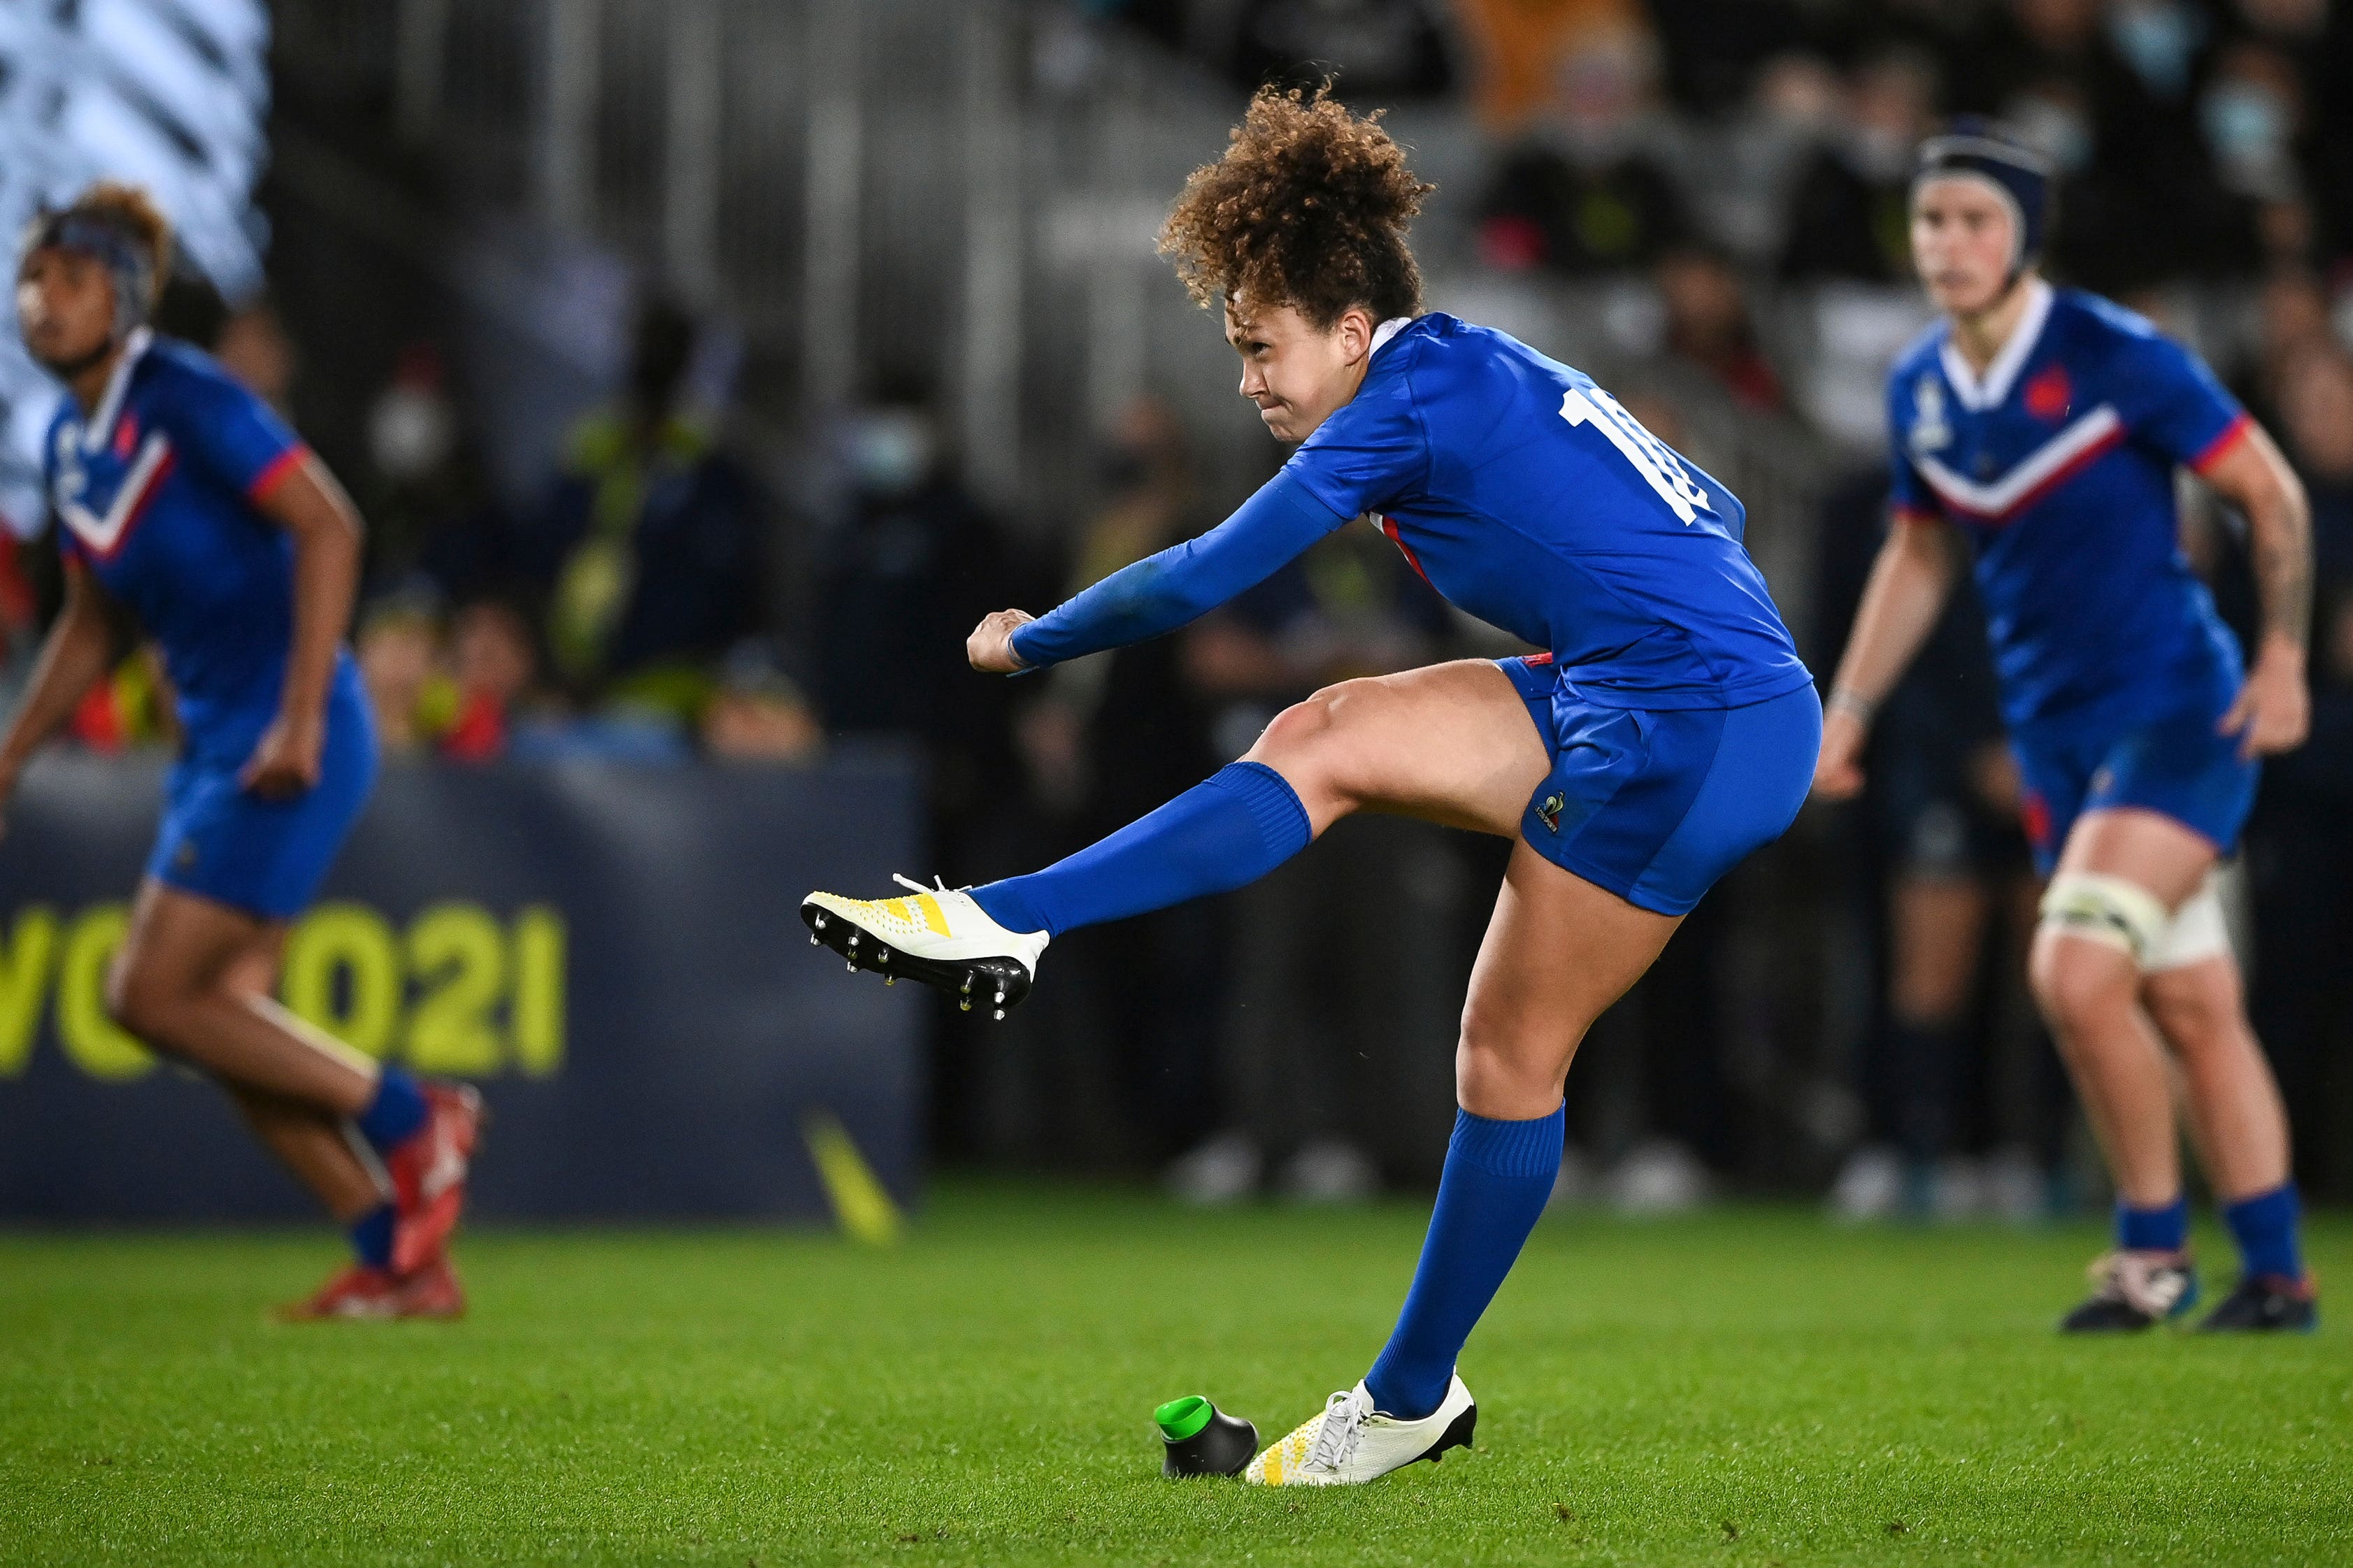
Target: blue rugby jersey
1524	494
2059	464
155	495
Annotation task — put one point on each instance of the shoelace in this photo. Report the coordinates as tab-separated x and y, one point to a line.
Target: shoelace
1336	1439
939	884
2148	1286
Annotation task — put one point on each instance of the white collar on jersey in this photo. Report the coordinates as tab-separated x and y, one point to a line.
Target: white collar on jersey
1977	395
101	425
1387	330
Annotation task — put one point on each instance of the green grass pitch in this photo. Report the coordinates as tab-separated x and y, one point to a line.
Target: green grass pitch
1747	1388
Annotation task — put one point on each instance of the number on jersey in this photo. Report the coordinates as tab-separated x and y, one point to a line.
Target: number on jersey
1651	458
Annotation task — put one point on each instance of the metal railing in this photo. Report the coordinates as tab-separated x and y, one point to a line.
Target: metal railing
938	192
960	194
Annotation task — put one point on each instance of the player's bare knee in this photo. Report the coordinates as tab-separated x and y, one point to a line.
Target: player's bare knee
2195	1010
2081	985
1302	745
1295	732
1502	1060
137	996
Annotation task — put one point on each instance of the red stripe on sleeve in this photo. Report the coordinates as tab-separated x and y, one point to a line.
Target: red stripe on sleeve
279	467
2223	443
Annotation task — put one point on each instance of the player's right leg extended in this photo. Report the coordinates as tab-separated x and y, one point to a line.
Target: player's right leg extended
1419	743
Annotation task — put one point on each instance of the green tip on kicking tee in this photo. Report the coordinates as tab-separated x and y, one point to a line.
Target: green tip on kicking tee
1180	1418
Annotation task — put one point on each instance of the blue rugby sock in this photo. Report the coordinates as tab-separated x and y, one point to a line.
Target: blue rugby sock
2165	1229
1498	1178
2265	1226
397	1111
1233	829
371	1236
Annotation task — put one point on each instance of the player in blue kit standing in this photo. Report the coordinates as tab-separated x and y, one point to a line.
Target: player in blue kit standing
1666	730
2045	425
180	499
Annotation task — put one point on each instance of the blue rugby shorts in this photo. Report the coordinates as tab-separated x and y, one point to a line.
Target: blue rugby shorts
265	857
2177	764
1655	804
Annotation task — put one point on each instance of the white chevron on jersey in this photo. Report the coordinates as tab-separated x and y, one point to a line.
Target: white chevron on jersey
103	535
2078	444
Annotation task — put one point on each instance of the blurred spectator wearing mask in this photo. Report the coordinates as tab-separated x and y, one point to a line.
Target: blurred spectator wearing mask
2315	38
908	563
2301	840
908	566
647	548
1334	1012
1586	192
1850	213
1105	741
430	505
2105	92
2253	114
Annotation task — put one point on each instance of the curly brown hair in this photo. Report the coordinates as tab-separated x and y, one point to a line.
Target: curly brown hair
1307	208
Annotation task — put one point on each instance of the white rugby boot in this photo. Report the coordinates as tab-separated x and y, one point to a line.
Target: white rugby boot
1351	1443
936	935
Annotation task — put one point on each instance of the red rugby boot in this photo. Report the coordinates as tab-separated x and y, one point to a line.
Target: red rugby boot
360	1292
429	1175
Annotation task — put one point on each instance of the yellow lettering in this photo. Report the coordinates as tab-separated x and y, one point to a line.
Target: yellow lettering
92	1041
24	984
350	942
458	954
539	1014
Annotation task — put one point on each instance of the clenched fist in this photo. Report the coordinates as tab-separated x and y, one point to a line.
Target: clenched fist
990	646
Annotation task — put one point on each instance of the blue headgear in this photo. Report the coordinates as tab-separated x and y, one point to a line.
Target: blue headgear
1977	150
123	252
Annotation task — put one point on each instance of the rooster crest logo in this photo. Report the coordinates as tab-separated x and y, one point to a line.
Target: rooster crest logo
1549	810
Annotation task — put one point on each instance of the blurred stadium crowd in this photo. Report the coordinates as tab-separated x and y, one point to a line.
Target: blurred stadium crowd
630	502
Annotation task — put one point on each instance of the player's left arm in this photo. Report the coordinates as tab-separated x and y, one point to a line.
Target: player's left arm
303	498
1163	592
2273	708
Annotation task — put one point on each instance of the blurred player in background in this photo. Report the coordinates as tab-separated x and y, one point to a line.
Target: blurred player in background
1667	729
2046	425
180	499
